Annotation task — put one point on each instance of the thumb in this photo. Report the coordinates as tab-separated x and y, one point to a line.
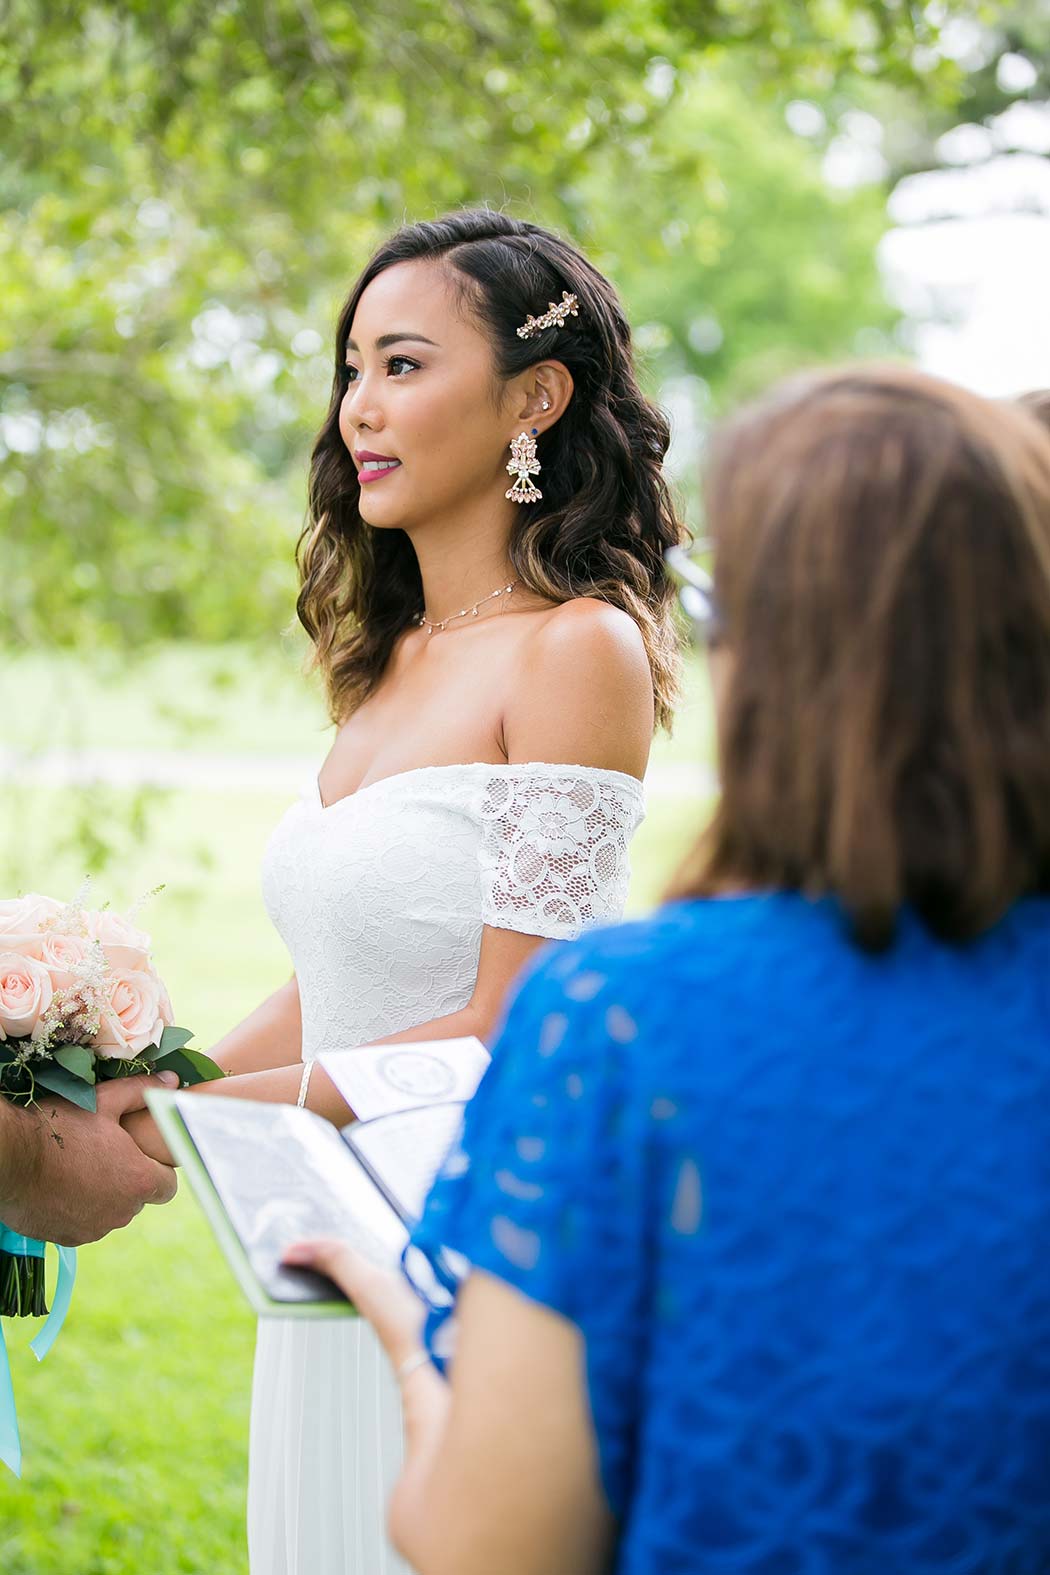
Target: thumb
323	1253
121	1095
328	1256
381	1295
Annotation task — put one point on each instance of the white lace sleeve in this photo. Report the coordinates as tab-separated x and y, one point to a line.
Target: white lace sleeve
553	848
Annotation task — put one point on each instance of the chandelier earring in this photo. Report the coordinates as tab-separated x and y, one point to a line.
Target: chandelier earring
523	465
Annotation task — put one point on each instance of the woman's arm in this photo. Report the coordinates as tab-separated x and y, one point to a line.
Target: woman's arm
503	952
246	1052
501	1468
270	1036
502	1472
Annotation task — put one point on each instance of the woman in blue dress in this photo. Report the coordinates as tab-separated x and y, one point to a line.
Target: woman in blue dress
757	1210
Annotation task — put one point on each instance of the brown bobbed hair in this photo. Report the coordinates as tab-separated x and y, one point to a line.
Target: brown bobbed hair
1037	403
882	564
606	517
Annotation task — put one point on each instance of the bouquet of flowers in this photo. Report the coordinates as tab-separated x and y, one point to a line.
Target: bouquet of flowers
80	1001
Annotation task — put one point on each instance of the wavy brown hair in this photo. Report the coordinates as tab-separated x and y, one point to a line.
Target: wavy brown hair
1037	403
606	516
882	564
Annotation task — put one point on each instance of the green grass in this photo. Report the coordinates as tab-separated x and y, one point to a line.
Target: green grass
135	1427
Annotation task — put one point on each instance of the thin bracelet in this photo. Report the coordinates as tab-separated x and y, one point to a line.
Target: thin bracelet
412	1364
304	1084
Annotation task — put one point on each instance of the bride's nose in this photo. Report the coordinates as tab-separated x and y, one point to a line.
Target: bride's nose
361	411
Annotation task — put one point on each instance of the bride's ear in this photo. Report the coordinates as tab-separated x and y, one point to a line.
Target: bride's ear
546	389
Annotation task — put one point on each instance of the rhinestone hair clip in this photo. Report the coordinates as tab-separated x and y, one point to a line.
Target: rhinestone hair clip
555	318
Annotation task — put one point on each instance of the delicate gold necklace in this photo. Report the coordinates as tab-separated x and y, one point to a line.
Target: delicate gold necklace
467	612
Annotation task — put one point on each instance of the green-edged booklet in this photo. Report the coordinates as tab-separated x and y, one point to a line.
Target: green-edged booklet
267	1175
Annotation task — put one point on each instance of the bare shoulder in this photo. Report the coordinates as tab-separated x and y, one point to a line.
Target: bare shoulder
585	692
589	630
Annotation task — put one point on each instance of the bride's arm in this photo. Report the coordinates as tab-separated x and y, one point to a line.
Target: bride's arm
270	1036
257	1050
503	953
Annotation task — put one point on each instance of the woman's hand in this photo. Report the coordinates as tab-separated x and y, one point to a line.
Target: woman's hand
380	1295
142	1127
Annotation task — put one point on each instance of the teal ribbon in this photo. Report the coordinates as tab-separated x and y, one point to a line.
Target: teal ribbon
20	1246
25	1246
10	1443
67	1273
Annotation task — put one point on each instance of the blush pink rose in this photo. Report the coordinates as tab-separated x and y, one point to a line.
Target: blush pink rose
20	922
61	955
26	992
24	945
20	915
124	945
136	1014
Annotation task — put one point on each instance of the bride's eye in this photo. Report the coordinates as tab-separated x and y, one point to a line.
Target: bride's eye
397	366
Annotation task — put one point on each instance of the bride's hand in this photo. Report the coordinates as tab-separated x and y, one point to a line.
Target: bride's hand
380	1295
142	1127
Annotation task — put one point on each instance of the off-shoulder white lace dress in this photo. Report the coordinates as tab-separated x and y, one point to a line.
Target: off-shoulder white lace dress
380	899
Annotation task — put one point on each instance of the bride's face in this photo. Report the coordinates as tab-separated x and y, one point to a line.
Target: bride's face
425	419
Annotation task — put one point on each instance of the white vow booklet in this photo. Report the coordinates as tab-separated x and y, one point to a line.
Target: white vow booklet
378	1079
267	1175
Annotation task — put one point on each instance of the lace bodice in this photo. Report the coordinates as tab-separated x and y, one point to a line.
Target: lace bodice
381	897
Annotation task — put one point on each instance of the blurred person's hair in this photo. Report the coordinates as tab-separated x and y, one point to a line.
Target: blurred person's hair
882	570
1037	403
606	516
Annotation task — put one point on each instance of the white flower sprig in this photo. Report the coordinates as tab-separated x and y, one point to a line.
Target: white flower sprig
75	1014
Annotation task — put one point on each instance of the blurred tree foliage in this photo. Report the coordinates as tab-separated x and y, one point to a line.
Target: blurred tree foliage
188	187
1003	59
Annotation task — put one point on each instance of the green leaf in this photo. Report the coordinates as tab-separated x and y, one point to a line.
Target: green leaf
203	1065
174	1039
192	1066
55	1078
77	1060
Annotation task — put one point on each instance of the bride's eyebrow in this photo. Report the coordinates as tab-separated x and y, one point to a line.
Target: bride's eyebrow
386	340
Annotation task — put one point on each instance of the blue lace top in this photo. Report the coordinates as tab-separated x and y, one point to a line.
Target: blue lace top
797	1200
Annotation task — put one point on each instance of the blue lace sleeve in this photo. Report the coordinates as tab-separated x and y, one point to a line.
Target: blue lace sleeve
544	1191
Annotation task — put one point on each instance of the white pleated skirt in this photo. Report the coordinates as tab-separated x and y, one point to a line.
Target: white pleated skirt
326	1450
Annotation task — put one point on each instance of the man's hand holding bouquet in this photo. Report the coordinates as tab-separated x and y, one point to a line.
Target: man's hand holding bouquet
80	1003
